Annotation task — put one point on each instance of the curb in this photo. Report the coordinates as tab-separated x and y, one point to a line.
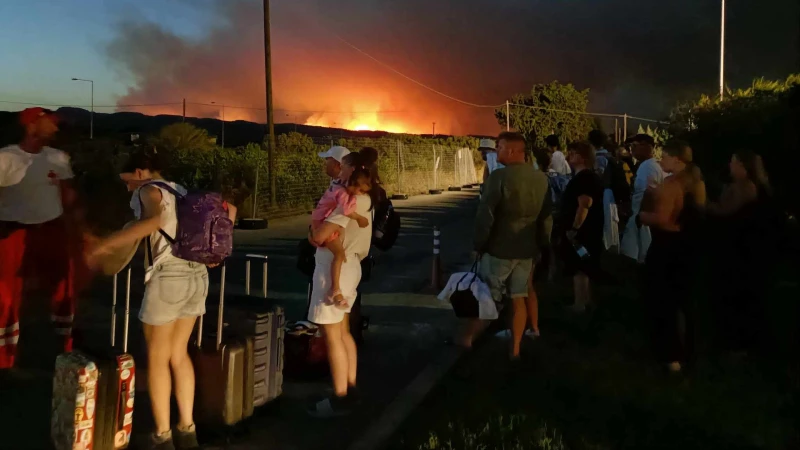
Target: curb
407	401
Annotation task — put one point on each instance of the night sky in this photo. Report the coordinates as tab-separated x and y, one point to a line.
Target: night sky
639	57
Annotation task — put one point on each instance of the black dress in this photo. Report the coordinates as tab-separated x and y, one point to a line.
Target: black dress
590	234
668	286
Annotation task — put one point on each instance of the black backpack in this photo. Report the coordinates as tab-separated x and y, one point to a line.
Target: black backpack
385	224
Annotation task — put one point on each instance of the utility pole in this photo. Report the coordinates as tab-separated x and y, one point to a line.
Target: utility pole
223	123
625	126
273	197
184	111
508	117
722	55
91	113
434	129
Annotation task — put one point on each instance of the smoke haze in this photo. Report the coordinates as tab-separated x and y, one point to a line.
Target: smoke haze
638	57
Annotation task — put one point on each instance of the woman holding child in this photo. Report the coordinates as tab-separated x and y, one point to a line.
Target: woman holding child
342	231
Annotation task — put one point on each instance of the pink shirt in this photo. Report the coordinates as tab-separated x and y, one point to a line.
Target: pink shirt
334	197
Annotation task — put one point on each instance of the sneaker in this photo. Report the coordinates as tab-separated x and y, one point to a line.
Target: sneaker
161	442
532	334
674	367
186	439
330	407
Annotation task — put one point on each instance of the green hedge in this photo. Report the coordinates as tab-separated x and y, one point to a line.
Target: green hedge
233	171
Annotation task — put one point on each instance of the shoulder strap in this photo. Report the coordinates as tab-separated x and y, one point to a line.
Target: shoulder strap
472	271
170	239
166	187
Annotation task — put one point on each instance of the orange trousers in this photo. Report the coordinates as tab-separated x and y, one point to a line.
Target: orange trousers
40	259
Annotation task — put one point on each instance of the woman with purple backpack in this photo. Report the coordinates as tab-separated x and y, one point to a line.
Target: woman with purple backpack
174	297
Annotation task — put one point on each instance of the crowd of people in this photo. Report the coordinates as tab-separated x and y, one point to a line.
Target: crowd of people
46	252
565	211
626	202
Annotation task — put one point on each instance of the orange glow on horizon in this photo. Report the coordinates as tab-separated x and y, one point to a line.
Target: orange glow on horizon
361	122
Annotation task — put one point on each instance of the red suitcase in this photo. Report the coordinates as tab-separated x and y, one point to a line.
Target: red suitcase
93	392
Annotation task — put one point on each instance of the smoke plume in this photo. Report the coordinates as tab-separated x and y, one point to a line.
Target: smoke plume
637	57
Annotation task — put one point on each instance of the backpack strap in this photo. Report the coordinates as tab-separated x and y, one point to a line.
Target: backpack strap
171	190
166	187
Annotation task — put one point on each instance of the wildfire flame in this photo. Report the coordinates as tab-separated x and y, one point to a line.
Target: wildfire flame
360	122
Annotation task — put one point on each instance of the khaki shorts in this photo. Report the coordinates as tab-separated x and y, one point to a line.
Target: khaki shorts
175	290
506	277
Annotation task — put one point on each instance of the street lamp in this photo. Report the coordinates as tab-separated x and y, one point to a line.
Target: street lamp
722	55
223	123
91	113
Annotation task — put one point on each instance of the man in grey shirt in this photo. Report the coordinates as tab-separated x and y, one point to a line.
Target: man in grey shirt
512	225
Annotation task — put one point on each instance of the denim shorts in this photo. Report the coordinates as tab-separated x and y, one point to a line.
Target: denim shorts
506	277
176	289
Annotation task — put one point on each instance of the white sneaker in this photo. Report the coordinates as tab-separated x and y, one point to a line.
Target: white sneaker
532	334
504	334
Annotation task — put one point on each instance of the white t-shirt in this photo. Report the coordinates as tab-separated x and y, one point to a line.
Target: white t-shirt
29	184
162	251
357	240
558	163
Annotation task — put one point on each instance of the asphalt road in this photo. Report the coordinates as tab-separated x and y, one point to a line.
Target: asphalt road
408	327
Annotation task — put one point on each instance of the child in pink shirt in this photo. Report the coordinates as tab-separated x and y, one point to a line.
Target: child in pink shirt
339	196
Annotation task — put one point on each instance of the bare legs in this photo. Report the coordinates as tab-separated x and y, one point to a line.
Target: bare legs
168	358
342	355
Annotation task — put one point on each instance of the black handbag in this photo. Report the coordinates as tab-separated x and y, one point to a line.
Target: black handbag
464	302
305	257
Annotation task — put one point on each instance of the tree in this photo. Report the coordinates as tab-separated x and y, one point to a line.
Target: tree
181	137
552	108
762	118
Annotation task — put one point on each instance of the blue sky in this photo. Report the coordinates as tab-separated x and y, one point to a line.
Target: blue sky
48	42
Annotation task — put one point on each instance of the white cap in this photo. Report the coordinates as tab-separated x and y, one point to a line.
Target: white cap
487	144
336	152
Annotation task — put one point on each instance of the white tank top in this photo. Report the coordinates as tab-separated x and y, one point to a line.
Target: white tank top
159	245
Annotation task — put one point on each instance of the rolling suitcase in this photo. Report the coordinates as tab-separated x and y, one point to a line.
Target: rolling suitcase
219	373
92	407
250	317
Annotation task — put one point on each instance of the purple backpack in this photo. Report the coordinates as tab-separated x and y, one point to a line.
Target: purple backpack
205	233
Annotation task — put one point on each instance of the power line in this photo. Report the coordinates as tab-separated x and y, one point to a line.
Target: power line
542	108
418	83
87	106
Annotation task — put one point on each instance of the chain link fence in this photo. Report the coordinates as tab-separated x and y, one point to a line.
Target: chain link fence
403	167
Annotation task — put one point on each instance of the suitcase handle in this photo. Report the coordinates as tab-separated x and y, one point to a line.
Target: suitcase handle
250	257
127	312
219	313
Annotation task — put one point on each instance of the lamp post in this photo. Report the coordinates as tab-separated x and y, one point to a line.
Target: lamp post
91	113
722	55
223	123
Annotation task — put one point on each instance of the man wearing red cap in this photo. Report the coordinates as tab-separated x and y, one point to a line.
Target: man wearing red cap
35	247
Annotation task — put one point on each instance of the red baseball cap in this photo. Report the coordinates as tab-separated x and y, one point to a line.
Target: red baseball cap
31	115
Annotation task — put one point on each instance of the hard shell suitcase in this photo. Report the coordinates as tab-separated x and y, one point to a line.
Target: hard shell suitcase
74	402
116	385
253	317
92	407
219	368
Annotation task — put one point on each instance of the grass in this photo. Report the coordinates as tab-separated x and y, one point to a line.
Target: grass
593	382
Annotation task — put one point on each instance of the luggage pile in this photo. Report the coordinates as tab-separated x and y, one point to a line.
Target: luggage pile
242	367
238	367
